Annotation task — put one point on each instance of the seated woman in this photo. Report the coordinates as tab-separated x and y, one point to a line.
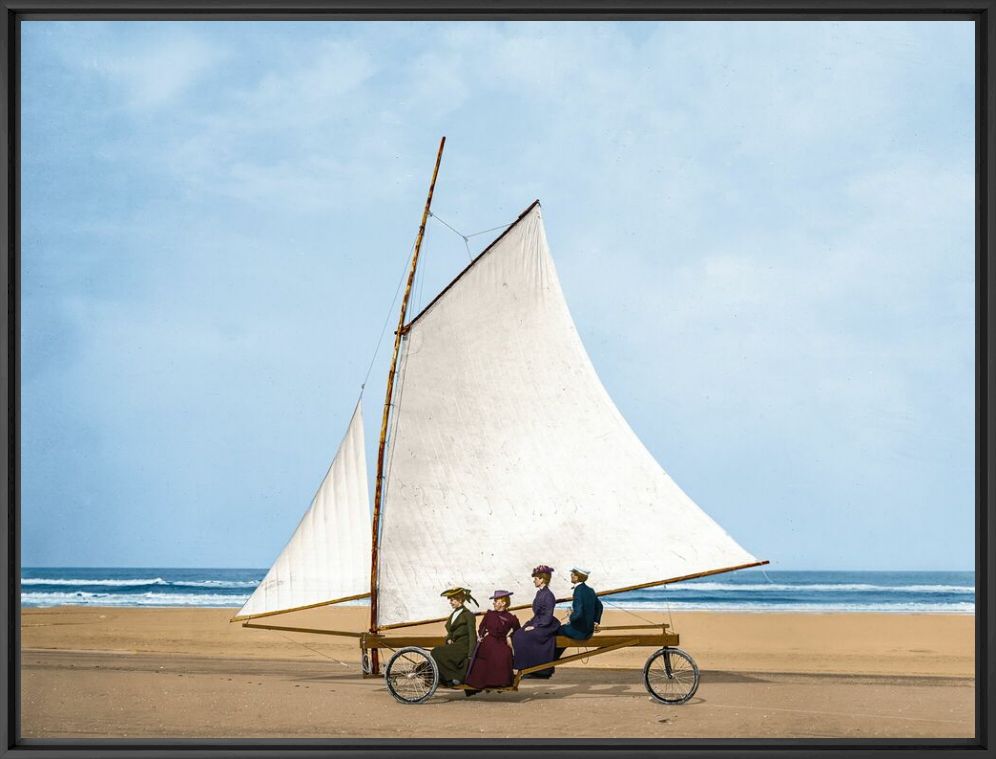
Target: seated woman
491	666
452	657
534	642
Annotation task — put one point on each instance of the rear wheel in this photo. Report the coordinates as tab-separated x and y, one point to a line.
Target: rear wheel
411	675
671	676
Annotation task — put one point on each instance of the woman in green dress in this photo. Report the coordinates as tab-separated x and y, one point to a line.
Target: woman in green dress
461	637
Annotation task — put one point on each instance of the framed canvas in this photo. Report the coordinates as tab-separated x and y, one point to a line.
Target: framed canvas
497	376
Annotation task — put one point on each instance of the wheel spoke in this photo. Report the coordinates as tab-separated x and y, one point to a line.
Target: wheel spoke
411	676
671	676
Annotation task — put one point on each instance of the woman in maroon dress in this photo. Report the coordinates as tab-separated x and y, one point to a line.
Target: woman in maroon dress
491	665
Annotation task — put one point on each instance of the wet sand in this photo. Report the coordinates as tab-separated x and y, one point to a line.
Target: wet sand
155	673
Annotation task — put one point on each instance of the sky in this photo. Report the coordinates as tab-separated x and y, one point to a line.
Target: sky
764	231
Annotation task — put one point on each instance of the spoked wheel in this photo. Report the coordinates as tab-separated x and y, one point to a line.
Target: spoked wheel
412	675
671	676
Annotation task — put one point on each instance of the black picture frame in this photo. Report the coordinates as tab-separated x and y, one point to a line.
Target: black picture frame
982	12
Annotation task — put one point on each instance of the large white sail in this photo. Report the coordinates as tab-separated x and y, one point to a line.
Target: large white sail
328	556
507	452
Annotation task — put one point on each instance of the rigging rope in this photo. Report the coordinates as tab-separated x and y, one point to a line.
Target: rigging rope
667	603
395	400
493	229
387	319
627	611
399	392
448	225
315	650
466	238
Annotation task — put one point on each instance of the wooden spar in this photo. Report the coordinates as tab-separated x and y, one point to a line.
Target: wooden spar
596	641
602	649
379	483
600	593
345	633
357	597
676	579
469	266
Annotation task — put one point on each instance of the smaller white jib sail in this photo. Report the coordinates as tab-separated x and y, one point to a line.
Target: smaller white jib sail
328	557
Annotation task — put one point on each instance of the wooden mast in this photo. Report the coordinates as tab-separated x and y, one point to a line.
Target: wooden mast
379	483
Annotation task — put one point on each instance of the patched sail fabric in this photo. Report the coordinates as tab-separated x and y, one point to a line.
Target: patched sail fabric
507	452
328	556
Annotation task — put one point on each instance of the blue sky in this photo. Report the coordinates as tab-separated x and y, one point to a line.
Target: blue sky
764	232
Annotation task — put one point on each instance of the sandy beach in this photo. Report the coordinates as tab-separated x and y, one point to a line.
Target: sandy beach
180	672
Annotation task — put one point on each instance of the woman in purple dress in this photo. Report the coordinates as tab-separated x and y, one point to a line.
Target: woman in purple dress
534	642
491	665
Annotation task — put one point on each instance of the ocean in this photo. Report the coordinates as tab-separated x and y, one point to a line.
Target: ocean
748	590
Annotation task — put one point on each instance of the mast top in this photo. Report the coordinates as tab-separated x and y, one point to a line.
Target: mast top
468	267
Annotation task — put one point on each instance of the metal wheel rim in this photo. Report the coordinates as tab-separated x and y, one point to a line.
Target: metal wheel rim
411	675
678	686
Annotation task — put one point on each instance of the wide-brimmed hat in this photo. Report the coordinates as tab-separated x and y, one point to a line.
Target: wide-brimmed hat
461	593
542	569
580	571
500	594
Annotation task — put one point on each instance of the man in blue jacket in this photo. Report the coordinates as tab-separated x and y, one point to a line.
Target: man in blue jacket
586	609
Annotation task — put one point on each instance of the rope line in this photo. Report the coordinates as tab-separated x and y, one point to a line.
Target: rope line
387	319
398	390
398	394
448	225
493	229
314	650
466	238
667	602
627	611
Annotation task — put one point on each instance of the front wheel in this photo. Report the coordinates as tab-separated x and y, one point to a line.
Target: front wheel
412	675
671	676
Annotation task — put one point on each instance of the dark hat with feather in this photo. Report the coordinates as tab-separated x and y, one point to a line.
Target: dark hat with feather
463	594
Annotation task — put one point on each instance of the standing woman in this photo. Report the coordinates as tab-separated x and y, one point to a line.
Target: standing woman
492	663
534	642
452	657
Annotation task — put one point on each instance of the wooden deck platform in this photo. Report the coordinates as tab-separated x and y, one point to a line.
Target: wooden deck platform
598	640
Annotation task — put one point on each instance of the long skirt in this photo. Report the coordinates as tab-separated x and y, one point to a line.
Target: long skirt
451	659
534	647
492	667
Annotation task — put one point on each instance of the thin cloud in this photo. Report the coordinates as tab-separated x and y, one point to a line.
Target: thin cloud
764	232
